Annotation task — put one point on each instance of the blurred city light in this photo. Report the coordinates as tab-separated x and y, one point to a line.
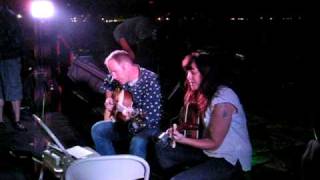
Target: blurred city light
42	9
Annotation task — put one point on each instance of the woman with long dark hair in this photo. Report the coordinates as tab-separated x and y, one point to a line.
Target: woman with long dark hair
224	149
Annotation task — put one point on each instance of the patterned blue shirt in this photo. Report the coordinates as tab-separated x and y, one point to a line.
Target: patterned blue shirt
146	94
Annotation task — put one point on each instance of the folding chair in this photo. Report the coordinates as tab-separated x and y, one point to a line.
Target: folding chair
119	167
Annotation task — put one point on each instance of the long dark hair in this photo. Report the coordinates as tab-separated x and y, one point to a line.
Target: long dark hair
215	69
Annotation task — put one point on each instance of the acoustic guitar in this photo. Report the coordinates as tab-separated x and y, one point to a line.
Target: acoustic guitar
124	110
189	125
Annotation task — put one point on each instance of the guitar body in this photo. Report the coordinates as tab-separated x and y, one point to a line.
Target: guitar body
189	124
124	111
190	121
124	103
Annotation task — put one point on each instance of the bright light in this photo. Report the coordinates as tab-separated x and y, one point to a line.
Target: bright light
19	16
42	9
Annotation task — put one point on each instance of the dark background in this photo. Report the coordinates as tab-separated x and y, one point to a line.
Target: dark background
277	76
277	73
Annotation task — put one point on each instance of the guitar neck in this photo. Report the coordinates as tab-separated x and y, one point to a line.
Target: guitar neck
189	130
92	69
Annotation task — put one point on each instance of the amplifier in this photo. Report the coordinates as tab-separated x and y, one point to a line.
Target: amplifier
56	160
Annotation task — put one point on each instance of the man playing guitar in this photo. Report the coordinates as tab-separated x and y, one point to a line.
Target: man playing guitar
144	87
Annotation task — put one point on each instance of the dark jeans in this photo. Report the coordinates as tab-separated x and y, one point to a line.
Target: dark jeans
105	133
201	166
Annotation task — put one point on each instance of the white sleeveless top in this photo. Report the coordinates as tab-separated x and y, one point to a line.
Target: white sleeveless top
236	145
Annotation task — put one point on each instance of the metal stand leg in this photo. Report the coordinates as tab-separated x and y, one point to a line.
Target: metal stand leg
40	163
43	105
41	173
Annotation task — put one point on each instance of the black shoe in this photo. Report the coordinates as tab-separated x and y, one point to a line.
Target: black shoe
19	126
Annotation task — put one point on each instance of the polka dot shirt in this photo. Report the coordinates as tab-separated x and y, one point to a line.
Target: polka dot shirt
146	94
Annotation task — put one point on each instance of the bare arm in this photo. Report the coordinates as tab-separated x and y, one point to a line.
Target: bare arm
218	127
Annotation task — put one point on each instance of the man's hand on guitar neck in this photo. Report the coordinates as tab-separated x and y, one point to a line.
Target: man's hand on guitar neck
109	106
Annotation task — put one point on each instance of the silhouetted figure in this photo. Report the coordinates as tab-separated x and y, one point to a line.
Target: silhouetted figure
136	35
10	63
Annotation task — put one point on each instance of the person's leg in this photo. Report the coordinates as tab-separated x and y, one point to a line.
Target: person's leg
1	91
16	109
139	142
169	157
103	133
214	168
12	87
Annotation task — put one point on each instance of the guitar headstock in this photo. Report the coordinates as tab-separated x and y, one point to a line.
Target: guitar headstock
109	84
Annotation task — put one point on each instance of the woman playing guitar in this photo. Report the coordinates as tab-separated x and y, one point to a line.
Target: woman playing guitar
224	150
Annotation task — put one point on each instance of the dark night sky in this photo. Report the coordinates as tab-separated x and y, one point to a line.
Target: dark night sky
278	75
114	7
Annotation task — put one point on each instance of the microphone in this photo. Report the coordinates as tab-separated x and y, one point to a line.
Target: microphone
109	79
108	84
